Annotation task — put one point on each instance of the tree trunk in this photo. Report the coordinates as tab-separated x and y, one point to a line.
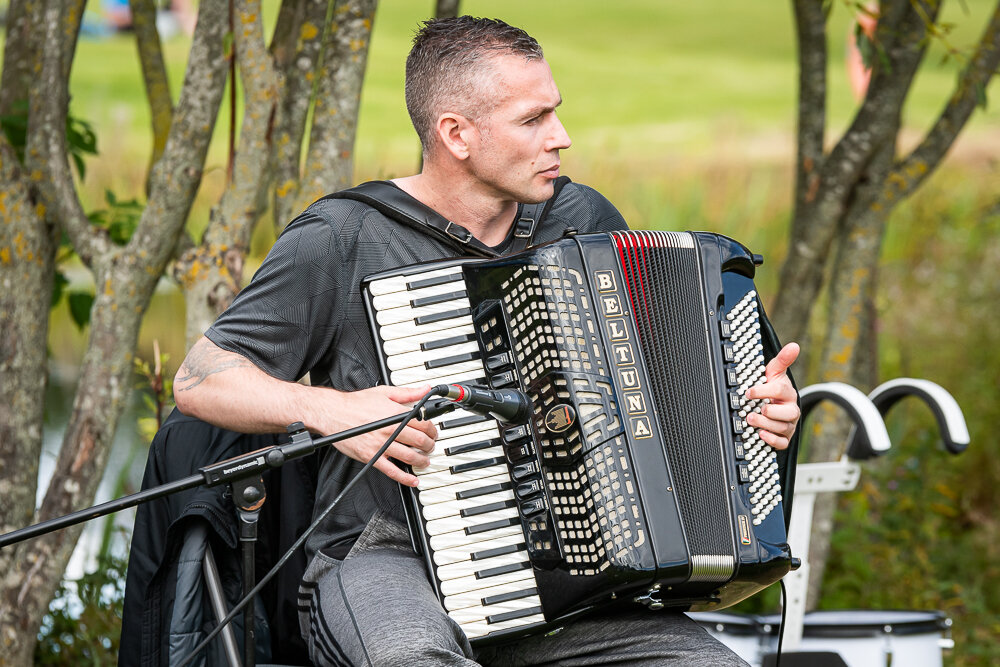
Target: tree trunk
125	278
843	200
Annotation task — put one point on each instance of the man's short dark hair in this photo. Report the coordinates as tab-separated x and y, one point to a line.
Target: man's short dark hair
448	62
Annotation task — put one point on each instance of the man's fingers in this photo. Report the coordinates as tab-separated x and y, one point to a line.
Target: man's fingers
783	412
406	394
778	389
785	358
394	472
776	441
777	427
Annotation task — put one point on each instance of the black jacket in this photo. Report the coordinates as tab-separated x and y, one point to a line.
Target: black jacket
166	613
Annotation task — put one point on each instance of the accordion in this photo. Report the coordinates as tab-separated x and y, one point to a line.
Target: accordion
636	478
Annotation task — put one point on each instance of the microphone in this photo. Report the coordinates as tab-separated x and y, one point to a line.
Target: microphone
506	405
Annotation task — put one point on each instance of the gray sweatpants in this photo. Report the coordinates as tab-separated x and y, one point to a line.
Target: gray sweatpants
376	609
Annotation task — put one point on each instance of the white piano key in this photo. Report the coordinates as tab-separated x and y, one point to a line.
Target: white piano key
467	584
443	463
445	478
413	343
458	538
445	494
408	314
433	375
475	598
398	299
472	376
409	328
468	568
481	628
399	283
457	554
466	433
442	510
421	357
474	614
454	523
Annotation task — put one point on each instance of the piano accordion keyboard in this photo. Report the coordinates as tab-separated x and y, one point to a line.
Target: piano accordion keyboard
476	543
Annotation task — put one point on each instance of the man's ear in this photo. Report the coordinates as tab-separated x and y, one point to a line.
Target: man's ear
456	133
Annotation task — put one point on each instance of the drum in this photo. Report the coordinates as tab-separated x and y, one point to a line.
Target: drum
865	638
741	633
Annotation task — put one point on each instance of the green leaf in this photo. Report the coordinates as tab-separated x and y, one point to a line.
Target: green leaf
865	46
60	281
80	304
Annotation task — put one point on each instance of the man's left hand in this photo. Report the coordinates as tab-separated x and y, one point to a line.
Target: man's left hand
778	418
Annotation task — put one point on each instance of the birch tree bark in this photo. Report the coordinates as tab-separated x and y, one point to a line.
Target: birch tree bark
844	196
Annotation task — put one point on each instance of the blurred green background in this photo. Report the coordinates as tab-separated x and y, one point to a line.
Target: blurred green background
683	114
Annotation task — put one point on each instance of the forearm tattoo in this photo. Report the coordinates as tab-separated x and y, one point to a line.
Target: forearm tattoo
204	360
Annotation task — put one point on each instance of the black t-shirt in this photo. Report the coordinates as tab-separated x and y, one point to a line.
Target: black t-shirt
303	313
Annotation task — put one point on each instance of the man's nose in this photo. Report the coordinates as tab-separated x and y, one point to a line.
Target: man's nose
559	139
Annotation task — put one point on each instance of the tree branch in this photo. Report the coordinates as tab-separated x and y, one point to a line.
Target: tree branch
154	72
46	152
924	159
297	61
329	164
810	30
18	56
175	178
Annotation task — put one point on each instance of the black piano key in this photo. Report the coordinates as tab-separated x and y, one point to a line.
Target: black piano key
437	280
448	361
486	509
503	569
501	380
437	298
529	488
498	361
463	421
482	491
507	597
447	342
524	470
532	507
499	551
440	317
516	433
471	447
476	465
493	525
511	615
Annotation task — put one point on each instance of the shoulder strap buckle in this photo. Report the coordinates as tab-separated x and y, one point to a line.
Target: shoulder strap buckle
460	233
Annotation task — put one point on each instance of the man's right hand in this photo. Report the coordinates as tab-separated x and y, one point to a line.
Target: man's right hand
412	446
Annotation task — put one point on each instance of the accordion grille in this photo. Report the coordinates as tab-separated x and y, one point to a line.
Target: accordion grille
587	476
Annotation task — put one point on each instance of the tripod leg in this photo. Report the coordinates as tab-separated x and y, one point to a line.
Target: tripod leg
249	496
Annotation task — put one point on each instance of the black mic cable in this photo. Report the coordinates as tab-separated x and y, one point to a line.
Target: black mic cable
312	527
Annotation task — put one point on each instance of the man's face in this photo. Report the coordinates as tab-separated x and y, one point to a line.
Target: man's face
515	151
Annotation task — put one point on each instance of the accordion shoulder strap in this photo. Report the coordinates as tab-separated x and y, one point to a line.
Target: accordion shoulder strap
392	202
531	215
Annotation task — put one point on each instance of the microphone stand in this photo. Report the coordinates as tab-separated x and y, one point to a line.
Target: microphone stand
243	474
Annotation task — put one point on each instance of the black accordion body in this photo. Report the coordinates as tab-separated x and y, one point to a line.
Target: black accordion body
637	477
